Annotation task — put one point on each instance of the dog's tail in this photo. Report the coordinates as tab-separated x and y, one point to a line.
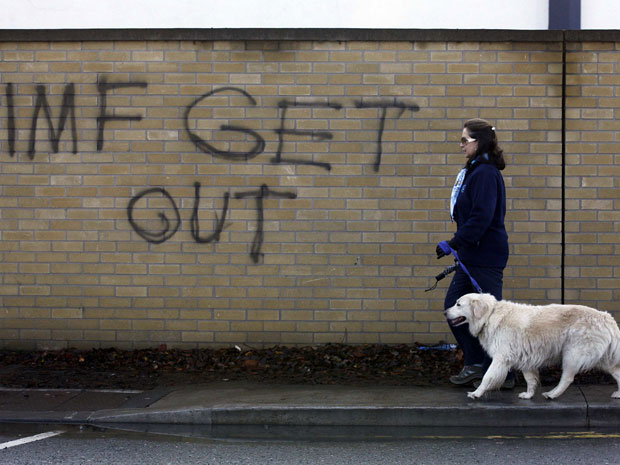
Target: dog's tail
614	346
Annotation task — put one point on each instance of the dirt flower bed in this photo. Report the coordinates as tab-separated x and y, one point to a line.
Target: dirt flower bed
372	364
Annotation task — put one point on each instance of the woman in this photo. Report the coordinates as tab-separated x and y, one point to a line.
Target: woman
478	205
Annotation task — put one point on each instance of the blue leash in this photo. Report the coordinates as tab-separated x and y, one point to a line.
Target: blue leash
471	278
450	269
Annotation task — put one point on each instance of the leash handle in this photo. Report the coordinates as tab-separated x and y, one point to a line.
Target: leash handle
447	250
442	275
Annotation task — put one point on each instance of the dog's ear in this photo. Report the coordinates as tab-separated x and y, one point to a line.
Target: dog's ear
480	305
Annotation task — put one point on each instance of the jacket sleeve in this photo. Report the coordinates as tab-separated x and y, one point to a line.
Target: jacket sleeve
482	192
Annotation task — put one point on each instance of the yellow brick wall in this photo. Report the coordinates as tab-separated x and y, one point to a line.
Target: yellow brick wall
109	239
593	174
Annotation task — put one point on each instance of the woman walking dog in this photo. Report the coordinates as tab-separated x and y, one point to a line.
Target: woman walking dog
478	205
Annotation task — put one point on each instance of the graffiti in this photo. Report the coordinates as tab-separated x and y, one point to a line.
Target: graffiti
153	213
259	195
384	107
320	135
164	230
67	111
163	233
284	105
194	222
208	148
104	87
11	118
67	106
67	115
41	103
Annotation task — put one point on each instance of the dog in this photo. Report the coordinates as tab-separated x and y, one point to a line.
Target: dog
528	337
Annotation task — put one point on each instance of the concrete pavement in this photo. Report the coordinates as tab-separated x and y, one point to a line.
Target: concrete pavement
246	404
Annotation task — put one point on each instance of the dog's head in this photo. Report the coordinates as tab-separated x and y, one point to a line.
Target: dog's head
473	309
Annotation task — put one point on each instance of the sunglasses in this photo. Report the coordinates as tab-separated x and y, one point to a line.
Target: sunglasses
466	140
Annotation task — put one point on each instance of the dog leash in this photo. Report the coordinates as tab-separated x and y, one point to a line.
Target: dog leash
450	269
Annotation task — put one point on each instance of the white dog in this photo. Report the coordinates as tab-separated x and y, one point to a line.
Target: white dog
528	337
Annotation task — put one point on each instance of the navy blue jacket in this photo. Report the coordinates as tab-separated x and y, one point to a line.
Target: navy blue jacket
481	238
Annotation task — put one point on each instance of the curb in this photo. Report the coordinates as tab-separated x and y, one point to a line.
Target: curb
247	405
573	416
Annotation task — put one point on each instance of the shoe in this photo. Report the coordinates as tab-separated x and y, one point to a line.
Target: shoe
468	374
508	384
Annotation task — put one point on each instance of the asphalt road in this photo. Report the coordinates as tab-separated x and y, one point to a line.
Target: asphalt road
74	445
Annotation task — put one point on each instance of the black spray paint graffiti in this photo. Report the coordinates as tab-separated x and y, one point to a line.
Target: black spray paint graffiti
320	135
283	105
259	195
41	103
67	112
384	106
165	232
166	229
104	87
208	148
68	106
11	118
219	226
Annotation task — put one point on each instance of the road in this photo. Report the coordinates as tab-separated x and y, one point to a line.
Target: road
75	445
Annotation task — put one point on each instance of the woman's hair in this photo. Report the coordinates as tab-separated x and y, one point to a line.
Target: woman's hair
484	133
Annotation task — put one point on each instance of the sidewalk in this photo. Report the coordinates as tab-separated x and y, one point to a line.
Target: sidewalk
248	404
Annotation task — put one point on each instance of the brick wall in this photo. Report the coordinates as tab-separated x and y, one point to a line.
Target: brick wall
593	174
219	192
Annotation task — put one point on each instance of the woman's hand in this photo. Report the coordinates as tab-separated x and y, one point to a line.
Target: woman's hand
445	248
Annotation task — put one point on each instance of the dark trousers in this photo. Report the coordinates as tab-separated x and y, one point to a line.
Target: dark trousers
490	280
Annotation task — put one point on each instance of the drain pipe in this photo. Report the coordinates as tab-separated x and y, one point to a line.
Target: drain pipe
563	207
